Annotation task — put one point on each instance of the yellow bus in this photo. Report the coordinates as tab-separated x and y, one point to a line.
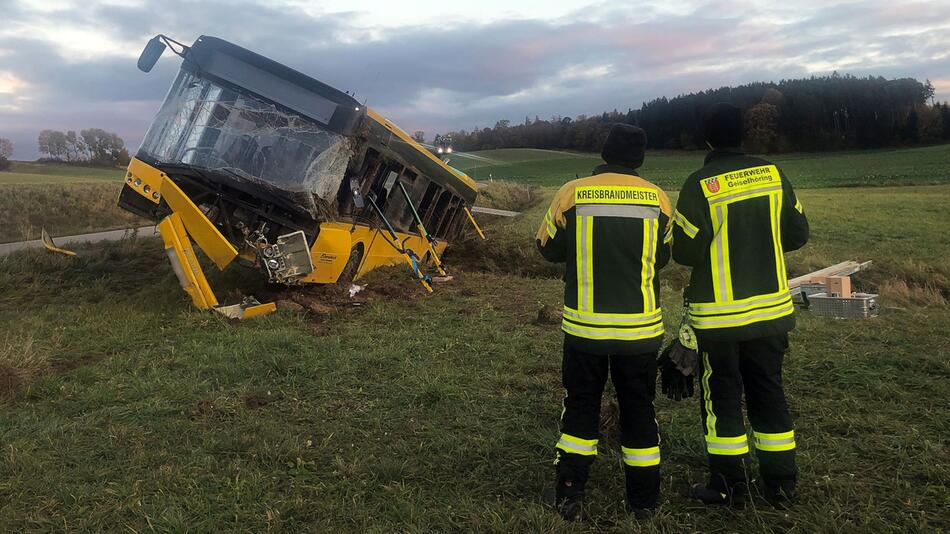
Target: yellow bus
259	164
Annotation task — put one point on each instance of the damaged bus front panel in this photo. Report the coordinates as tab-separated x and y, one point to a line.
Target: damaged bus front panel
260	164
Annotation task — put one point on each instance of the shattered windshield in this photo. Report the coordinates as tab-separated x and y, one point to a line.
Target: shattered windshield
209	126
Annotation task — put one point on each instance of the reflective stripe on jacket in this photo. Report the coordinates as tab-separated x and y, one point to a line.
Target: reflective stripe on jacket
613	231
735	219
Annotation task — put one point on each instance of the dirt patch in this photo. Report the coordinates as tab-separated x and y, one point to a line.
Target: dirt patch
288	305
320	302
548	314
10	378
221	407
71	364
259	399
202	408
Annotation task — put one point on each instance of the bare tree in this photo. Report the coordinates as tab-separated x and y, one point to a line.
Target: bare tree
102	147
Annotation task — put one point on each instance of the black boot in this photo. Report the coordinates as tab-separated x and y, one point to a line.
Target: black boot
641	513
567	497
643	490
779	493
734	496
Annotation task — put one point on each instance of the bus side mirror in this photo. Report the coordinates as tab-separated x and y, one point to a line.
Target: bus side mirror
153	51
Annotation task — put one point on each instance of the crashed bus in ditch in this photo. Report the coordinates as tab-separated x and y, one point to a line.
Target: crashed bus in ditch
259	164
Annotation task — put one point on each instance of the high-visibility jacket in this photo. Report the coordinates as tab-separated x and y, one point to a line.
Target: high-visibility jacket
612	230
735	219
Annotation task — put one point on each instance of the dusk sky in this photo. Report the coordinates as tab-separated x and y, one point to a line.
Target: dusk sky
437	66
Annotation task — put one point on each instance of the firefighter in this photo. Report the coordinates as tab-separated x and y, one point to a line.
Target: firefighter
613	231
735	219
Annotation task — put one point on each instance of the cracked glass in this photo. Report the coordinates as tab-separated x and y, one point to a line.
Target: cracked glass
208	126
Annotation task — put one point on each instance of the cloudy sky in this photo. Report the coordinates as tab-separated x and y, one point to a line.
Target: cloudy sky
438	65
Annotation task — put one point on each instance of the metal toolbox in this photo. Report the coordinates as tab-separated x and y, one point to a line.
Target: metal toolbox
857	306
813	289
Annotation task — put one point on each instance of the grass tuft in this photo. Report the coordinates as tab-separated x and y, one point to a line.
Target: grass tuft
507	196
20	363
899	293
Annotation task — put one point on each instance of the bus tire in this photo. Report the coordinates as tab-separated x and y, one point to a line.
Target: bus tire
352	267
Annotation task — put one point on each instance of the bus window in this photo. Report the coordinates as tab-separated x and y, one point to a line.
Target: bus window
358	179
451	216
384	180
418	191
397	210
443	225
425	205
438	212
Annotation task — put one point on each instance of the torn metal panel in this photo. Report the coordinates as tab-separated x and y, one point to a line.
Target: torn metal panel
51	246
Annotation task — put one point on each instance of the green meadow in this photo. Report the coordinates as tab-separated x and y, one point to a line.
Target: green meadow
123	408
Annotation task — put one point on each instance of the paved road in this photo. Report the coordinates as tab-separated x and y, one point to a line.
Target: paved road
64	241
115	235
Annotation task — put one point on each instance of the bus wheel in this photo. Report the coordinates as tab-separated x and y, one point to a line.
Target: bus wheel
351	268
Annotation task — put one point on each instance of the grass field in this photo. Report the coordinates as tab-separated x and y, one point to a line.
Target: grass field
920	166
124	409
66	200
25	172
72	200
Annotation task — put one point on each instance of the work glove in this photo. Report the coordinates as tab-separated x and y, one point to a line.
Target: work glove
678	364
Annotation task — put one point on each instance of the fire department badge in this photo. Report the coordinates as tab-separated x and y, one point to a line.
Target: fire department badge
712	185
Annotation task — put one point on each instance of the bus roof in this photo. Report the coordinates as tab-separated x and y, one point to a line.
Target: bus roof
273	81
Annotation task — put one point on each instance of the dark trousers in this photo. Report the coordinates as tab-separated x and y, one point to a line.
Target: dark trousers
754	367
634	377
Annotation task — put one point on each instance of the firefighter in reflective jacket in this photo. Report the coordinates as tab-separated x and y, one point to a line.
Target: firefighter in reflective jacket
735	218
613	231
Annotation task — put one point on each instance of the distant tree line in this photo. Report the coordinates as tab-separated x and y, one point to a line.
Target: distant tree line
814	114
94	146
6	152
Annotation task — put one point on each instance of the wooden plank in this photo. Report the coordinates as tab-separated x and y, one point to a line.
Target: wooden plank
845	268
493	211
821	273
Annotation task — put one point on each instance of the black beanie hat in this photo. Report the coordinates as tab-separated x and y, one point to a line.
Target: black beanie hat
624	146
722	125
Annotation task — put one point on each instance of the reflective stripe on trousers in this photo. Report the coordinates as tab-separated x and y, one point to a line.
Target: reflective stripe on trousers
715	444
727	446
782	441
575	445
641	457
